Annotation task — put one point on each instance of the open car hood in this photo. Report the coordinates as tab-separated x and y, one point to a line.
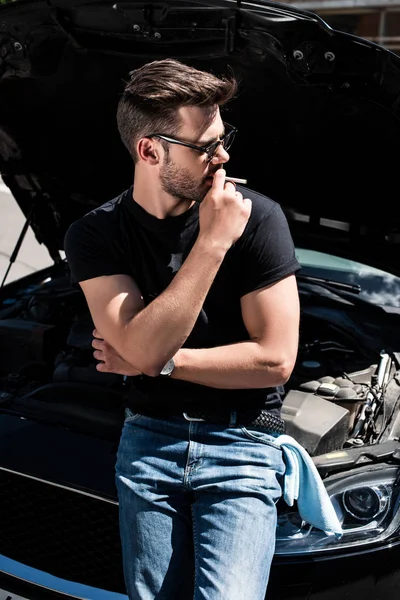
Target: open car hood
318	112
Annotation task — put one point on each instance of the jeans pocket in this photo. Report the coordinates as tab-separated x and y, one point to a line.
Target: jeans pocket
262	436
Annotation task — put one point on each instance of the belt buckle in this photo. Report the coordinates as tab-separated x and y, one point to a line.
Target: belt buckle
189	418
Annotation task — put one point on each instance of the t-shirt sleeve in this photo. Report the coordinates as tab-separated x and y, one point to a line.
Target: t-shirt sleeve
268	252
88	251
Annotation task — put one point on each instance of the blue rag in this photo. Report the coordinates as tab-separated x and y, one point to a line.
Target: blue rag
303	483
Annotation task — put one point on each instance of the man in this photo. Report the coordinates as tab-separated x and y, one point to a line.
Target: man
191	286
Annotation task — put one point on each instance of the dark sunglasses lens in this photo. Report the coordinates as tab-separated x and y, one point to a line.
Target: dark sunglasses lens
226	142
212	149
228	139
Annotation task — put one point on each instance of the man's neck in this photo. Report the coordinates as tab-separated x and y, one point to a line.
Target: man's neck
148	193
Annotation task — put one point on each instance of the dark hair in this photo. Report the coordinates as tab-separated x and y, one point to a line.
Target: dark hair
156	90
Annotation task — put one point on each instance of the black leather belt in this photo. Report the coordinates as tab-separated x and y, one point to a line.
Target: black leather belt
248	418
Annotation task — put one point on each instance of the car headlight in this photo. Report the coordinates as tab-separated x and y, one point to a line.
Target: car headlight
367	504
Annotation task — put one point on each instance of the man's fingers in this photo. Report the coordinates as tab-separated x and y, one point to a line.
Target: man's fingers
96	343
219	179
239	196
96	334
219	182
248	204
229	186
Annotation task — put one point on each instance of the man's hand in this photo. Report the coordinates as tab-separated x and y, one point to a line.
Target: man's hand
110	360
223	214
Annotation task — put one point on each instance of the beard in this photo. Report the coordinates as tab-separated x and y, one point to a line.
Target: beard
180	183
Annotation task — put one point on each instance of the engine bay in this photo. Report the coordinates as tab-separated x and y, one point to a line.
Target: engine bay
338	396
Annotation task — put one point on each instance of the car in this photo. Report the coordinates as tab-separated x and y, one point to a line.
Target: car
318	117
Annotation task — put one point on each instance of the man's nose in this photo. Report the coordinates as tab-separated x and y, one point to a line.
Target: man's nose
221	156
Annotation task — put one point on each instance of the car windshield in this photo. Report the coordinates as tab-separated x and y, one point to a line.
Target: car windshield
376	286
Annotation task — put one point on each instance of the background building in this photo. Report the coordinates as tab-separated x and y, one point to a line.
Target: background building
376	20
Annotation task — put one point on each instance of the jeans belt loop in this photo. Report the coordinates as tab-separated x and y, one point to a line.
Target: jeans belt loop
233	419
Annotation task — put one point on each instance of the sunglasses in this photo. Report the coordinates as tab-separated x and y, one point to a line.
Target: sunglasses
211	150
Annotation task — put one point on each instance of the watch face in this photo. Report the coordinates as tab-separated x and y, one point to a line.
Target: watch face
168	368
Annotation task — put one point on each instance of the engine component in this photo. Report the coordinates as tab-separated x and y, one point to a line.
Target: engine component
66	371
319	425
81	333
343	392
365	421
23	342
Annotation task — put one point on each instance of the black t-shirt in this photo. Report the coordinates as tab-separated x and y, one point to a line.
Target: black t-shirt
120	237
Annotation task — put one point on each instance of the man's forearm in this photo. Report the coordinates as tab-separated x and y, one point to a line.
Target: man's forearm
243	365
157	332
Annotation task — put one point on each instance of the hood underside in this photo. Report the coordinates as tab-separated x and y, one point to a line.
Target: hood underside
317	113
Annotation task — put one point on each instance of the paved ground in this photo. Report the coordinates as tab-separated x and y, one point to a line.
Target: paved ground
32	255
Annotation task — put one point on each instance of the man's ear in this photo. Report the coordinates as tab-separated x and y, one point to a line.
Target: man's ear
148	151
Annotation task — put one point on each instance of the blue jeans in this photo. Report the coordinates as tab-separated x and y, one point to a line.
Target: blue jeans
197	508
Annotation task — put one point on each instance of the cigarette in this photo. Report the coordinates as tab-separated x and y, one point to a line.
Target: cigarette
235	179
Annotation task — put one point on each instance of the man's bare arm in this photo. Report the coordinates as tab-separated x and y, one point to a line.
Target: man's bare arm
146	337
261	362
271	316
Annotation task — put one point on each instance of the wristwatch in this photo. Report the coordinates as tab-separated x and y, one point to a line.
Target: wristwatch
168	368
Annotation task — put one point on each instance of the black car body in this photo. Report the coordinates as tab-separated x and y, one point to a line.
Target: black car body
319	131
